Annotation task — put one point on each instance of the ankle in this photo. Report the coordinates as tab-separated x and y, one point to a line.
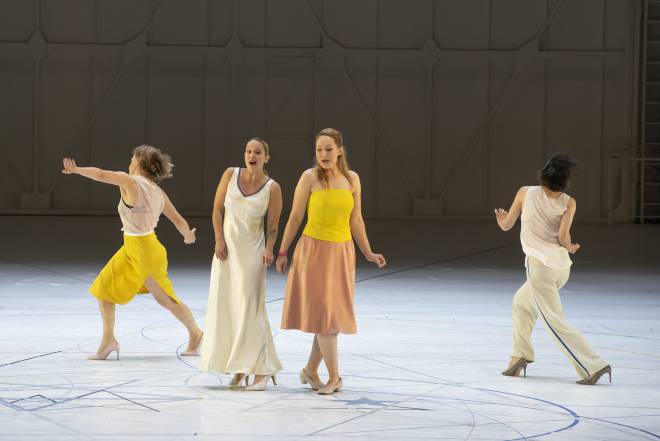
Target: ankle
311	372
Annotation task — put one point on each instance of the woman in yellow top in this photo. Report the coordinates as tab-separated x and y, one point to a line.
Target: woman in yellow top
319	289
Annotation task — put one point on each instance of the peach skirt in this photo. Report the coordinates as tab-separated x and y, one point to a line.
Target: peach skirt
320	288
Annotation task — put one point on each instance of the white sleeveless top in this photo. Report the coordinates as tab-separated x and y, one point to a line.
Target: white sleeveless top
141	219
539	228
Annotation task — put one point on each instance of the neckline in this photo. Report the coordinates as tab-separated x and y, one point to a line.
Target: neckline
331	189
238	185
548	197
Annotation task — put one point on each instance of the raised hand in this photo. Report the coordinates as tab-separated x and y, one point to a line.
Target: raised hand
500	215
69	166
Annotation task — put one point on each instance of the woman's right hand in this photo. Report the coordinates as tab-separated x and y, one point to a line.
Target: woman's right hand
281	264
220	249
69	166
573	248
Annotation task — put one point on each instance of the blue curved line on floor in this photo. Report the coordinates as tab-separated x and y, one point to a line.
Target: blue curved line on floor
655	435
178	355
575	422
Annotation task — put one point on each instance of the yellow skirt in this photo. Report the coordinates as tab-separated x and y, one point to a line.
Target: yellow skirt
124	275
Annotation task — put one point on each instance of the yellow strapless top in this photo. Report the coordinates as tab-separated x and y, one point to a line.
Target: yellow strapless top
329	214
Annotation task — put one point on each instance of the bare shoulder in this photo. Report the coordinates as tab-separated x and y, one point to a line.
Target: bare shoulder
571	201
228	171
275	187
355	181
309	176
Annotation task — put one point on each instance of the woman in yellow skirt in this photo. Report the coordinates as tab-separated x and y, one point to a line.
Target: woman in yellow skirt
321	283
140	265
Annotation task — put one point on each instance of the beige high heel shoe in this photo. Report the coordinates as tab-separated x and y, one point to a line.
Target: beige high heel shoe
262	385
236	381
330	389
515	366
112	347
194	352
593	379
306	378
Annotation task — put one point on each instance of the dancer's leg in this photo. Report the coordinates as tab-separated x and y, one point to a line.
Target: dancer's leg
108	316
328	346
545	284
179	310
525	314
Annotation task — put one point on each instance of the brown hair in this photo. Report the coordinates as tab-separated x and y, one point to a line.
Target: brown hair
266	148
263	143
155	163
342	161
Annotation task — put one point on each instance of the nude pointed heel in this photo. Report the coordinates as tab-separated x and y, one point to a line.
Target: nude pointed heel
112	347
262	385
593	379
194	352
330	389
306	378
515	367
235	382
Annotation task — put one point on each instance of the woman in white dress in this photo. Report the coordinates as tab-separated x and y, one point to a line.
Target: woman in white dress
237	337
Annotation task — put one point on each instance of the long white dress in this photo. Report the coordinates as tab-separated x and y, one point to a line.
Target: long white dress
237	336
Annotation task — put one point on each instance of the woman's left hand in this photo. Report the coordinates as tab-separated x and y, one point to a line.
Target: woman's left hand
190	238
378	259
269	258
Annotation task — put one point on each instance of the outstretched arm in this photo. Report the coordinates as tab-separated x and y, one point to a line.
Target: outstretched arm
358	229
565	228
273	221
120	179
507	219
300	197
179	222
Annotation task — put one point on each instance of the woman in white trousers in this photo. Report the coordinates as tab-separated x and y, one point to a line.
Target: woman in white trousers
546	214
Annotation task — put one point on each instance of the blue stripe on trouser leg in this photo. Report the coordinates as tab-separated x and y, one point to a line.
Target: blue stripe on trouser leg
550	326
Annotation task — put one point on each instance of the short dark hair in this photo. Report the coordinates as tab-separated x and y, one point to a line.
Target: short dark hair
556	172
155	163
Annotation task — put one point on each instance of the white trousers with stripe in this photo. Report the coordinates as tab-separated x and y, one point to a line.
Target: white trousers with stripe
537	298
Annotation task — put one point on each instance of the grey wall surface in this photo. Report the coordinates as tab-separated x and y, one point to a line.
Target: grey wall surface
446	106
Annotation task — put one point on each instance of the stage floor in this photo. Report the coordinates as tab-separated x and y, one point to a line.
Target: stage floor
434	332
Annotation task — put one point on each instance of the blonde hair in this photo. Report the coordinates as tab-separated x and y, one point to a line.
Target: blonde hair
154	162
342	161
